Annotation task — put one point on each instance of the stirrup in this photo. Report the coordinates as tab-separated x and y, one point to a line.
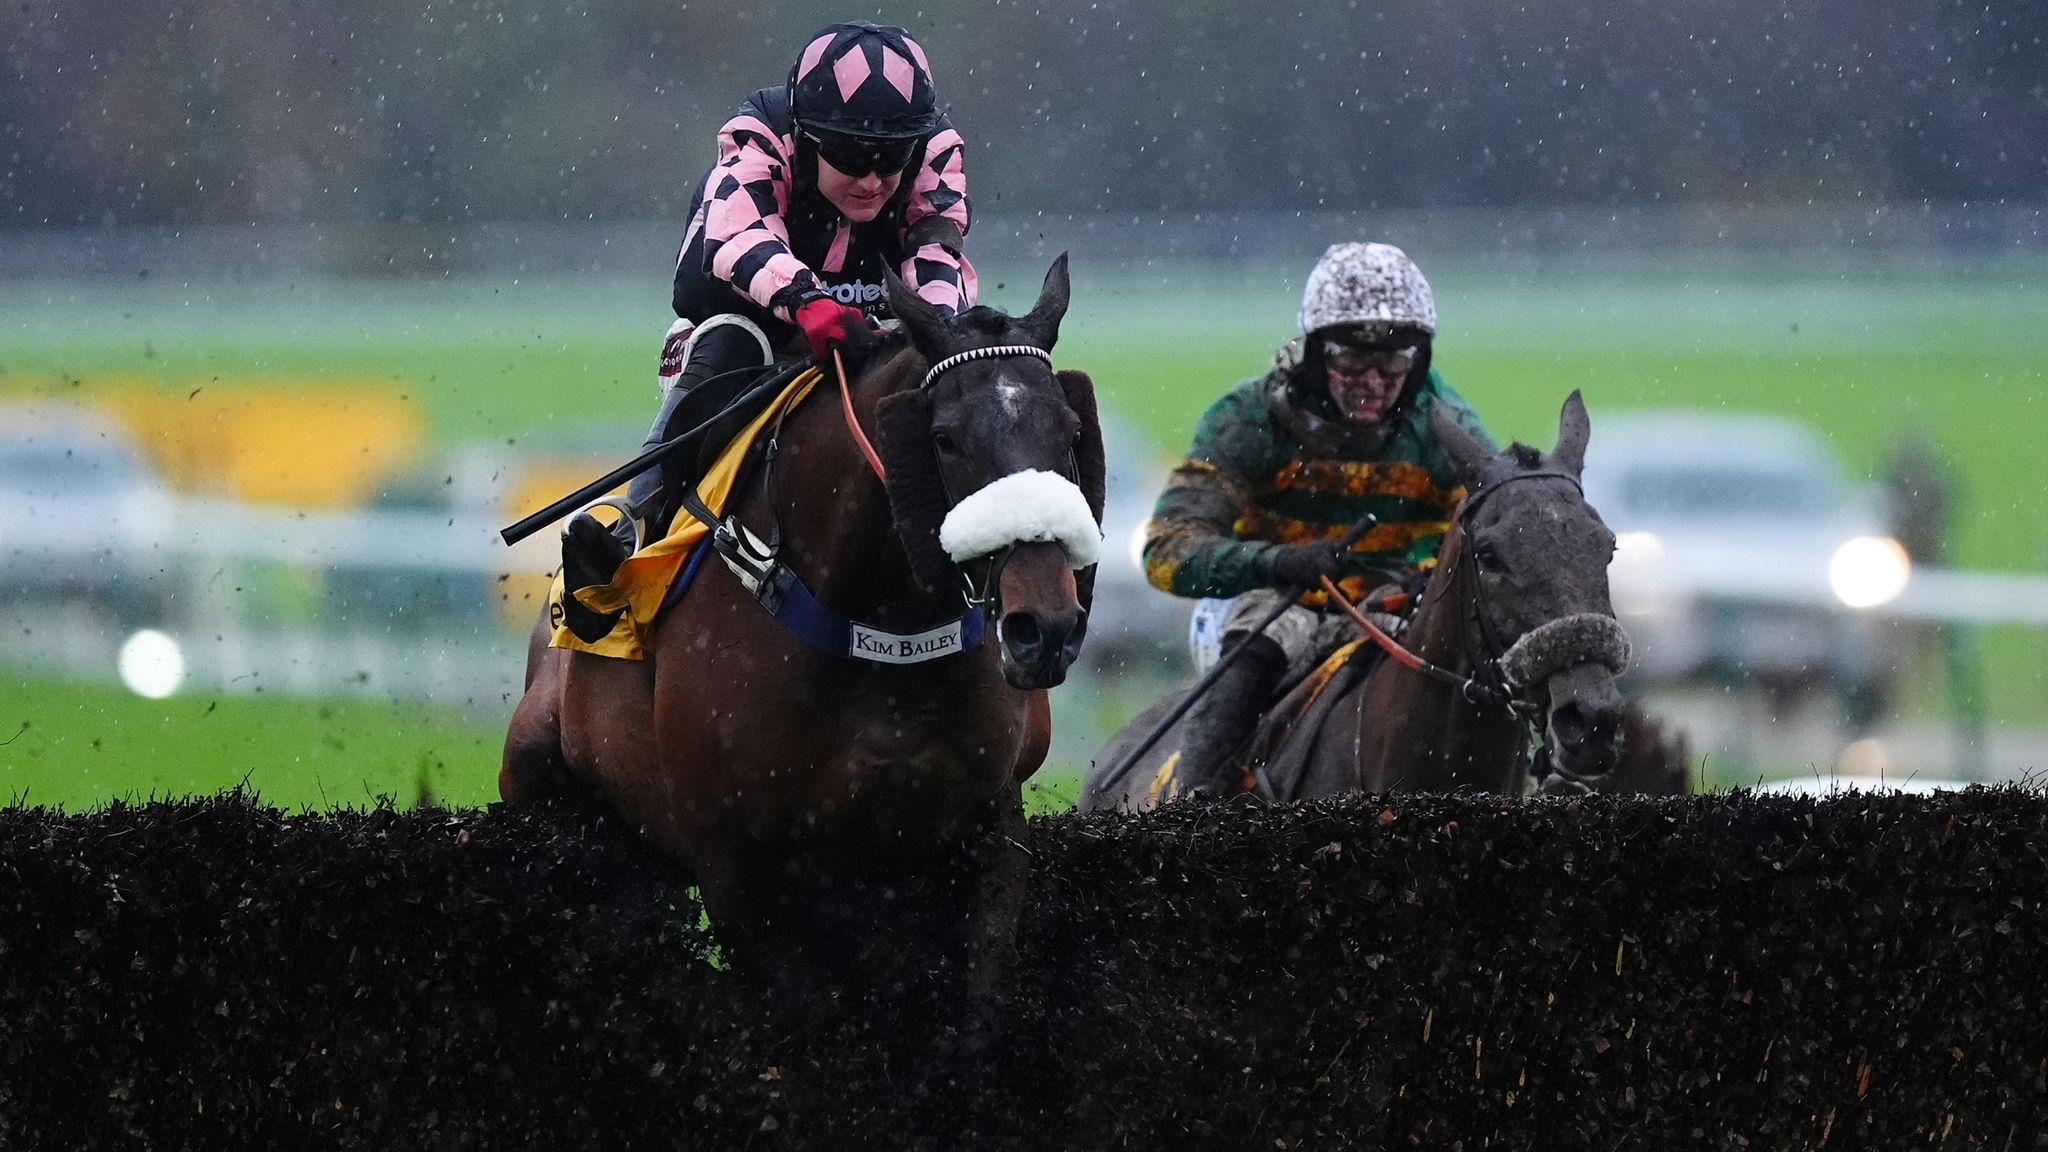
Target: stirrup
624	508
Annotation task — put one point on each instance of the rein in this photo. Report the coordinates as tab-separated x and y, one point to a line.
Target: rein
860	438
978	597
1489	683
1471	688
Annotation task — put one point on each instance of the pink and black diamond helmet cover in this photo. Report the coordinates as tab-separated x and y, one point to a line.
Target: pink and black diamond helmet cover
864	79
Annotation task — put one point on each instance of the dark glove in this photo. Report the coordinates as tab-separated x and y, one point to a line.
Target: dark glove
1303	565
826	323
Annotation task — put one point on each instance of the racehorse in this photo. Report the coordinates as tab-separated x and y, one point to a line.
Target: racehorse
806	788
1517	622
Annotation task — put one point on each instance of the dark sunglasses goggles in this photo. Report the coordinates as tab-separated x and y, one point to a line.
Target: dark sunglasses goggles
861	155
1352	358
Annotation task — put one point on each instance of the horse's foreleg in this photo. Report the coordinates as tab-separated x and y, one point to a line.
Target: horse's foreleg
1006	870
534	769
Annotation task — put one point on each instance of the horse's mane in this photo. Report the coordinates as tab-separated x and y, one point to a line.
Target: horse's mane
982	320
1525	456
978	324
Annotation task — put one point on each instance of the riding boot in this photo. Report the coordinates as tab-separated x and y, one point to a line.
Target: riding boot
717	351
591	555
1214	734
594	552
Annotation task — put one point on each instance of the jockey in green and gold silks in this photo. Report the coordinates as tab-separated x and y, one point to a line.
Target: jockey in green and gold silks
1256	479
1284	464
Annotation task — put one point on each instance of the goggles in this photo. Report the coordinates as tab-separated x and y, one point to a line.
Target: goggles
858	156
1352	359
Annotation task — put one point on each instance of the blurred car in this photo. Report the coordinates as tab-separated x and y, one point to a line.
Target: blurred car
1742	552
82	515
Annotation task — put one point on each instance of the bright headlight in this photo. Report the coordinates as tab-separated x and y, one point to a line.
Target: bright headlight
1638	548
152	664
1868	571
1636	575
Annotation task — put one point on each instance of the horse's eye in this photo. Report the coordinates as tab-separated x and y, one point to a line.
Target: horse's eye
943	441
1488	556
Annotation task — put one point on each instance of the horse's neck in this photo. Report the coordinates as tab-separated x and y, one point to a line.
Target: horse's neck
838	532
1457	737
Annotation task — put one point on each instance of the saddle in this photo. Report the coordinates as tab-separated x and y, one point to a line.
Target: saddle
728	449
1288	731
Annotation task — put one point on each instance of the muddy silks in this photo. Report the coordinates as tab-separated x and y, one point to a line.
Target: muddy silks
641	585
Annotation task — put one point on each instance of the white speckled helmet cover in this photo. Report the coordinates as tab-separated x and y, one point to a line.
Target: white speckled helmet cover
1372	285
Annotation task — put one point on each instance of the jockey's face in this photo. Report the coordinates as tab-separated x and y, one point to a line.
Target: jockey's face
858	198
1365	381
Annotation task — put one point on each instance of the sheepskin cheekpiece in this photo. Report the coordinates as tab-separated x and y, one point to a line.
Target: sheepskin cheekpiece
1564	642
1023	506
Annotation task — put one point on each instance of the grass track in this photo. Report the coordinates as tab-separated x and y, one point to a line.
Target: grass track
86	744
1862	358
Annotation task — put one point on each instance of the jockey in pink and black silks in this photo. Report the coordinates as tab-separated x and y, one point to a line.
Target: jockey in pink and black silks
821	184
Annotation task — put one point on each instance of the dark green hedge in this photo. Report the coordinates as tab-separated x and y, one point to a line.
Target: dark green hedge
1709	972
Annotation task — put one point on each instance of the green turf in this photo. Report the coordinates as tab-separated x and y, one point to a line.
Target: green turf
80	745
1863	359
1863	356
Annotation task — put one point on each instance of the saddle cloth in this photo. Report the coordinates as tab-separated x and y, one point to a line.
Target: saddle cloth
641	585
1283	737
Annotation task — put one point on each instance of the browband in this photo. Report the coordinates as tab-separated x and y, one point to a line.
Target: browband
959	358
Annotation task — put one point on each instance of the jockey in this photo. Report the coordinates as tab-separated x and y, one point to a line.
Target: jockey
1282	465
821	184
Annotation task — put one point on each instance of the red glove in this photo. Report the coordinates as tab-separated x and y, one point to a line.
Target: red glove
828	322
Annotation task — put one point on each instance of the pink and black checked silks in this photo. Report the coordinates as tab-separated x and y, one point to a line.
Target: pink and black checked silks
761	237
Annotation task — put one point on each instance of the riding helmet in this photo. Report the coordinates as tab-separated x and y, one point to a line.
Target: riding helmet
1369	292
863	79
1373	288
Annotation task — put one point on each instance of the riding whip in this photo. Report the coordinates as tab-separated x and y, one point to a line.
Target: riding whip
1209	678
648	459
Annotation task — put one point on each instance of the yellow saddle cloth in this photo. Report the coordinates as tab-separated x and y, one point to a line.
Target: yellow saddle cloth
643	580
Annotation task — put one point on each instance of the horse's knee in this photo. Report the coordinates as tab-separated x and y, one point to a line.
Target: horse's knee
534	769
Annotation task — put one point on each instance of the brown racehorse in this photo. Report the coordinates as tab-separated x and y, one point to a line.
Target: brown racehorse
1517	610
811	790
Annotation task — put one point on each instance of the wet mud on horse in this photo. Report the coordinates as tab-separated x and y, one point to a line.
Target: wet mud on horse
1517	609
843	815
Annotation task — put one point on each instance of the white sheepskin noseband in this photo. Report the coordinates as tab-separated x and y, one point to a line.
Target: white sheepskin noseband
1021	507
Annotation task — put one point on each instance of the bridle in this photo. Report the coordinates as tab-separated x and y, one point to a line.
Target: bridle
982	594
1490	682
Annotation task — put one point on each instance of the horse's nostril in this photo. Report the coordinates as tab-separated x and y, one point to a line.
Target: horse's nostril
1021	631
1569	724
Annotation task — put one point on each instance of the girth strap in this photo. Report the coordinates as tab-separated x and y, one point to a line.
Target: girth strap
794	606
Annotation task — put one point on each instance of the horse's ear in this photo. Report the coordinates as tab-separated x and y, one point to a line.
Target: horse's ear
920	317
1573	430
917	494
1042	323
1467	454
